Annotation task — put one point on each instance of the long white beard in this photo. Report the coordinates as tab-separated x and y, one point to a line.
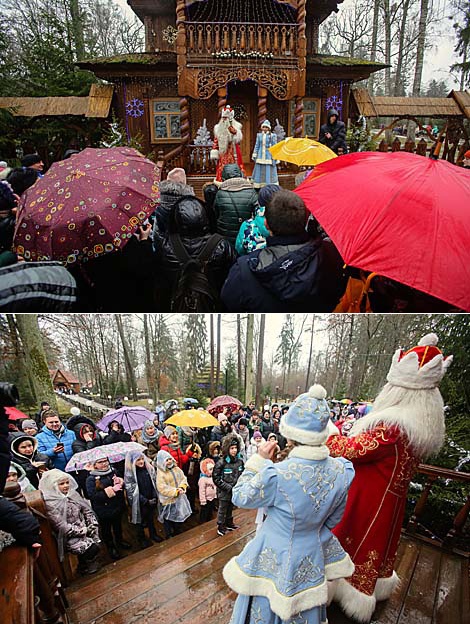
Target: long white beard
418	413
223	135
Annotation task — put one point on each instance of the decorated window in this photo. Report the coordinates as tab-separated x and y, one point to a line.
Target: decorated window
311	117
165	120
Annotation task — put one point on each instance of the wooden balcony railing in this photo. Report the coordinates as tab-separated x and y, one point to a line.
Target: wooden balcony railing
416	526
241	41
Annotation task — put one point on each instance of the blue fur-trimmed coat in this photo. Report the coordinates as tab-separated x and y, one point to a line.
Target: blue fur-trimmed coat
265	170
294	552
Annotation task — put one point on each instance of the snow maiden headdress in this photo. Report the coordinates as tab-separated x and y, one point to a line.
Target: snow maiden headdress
411	399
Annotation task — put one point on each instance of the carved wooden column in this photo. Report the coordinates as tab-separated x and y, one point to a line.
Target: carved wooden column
181	46
262	105
298	117
184	127
301	46
222	95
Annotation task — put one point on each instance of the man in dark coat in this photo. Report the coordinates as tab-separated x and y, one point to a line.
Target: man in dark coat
333	133
296	272
190	220
235	202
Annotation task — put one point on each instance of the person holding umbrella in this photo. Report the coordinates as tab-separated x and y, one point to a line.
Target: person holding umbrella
105	491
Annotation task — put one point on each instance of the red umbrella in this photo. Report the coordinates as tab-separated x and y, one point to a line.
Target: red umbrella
400	215
220	402
14	413
86	206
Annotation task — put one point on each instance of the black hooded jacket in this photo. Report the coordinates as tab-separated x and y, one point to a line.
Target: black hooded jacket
291	274
228	469
189	219
337	129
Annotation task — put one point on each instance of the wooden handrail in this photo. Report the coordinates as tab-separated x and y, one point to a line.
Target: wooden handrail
416	528
16	582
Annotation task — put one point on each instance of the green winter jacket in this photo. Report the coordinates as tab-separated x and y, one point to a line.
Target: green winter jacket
235	202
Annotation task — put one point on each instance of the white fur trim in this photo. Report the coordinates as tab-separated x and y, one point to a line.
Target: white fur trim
317	392
214	155
256	463
332	428
430	340
310	452
312	438
354	603
385	587
331	591
405	372
339	569
283	606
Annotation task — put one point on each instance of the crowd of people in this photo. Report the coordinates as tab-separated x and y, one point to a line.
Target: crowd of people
242	249
330	502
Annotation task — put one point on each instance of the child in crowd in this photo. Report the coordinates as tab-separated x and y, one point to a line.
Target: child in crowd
213	450
254	443
105	491
16	474
171	487
73	520
226	473
24	450
150	437
29	427
207	490
140	484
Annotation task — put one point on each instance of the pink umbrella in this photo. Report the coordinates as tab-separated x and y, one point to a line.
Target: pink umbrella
14	413
220	402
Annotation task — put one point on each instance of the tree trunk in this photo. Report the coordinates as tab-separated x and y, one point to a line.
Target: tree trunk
77	29
148	360
259	365
398	88
239	354
130	375
307	380
249	359
211	349
388	44
23	383
219	339
35	357
423	18
375	31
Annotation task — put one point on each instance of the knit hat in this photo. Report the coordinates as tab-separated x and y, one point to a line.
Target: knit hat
307	419
75	411
421	367
30	424
177	175
266	123
169	429
205	463
222	417
3	164
30	159
243	421
257	434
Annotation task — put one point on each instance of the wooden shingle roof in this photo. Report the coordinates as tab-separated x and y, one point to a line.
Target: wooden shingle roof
382	106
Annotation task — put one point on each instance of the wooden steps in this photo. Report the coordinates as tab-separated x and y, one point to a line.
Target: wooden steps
180	580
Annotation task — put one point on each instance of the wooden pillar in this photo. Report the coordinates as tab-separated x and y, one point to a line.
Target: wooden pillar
262	105
298	117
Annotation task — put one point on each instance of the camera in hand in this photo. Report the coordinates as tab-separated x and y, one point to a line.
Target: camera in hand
9	396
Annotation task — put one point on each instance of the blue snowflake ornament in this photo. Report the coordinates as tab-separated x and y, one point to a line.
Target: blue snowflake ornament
334	102
135	108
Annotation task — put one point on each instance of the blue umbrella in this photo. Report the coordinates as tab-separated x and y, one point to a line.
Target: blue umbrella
131	418
190	400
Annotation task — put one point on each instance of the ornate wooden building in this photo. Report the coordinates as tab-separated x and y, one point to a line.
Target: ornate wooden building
259	56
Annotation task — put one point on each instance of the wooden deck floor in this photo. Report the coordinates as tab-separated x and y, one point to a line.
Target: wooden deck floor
181	581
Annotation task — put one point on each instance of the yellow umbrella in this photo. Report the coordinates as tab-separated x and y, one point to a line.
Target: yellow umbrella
301	151
192	418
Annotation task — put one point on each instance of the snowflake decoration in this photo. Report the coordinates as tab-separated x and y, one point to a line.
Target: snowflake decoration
334	102
135	108
170	34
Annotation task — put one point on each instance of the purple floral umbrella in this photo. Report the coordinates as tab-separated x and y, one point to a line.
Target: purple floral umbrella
113	452
131	418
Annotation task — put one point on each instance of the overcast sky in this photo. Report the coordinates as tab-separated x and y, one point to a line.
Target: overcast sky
437	59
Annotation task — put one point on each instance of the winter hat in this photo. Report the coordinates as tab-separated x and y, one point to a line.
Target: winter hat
3	164
204	465
75	411
266	192
177	175
227	112
30	159
421	367
307	419
169	429
222	417
467	154
257	434
162	456
243	421
31	424
12	469
266	124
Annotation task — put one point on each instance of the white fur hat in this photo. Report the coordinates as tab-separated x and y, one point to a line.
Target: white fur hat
266	124
421	367
307	419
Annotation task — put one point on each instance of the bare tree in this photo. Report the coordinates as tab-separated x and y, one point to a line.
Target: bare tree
259	366
129	365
